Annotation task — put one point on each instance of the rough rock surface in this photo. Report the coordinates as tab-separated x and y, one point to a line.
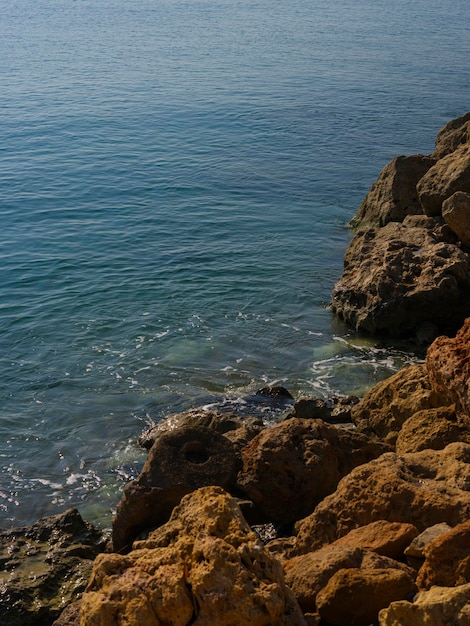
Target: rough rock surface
452	136
355	596
204	567
44	567
433	428
393	196
179	462
385	408
416	547
448	365
456	213
423	489
334	410
289	468
397	278
386	538
447	561
440	606
442	180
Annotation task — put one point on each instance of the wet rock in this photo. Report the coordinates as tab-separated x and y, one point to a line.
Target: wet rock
384	409
447	561
179	462
433	428
450	174
423	489
382	537
45	567
448	365
289	468
275	391
456	213
452	136
355	596
396	279
334	410
440	606
205	567
393	196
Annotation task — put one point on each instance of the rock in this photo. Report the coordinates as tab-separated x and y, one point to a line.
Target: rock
452	136
220	422
440	606
355	596
450	174
416	547
423	488
396	279
275	391
45	567
448	365
204	567
386	538
70	616
433	428
289	468
335	410
385	407
456	213
447	561
179	462
393	196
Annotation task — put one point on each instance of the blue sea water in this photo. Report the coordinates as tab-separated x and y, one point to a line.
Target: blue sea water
176	177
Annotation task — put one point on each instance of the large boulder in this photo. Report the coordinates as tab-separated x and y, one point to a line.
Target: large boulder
448	365
384	409
452	136
289	468
393	196
423	489
45	567
440	606
456	214
178	462
399	280
204	567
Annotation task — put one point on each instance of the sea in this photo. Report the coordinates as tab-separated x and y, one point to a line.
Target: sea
176	182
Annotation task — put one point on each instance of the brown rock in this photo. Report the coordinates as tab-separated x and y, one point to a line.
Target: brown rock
452	136
355	596
456	213
448	365
204	567
179	462
386	407
393	196
440	606
386	538
289	468
442	180
423	488
433	428
447	561
396	279
416	547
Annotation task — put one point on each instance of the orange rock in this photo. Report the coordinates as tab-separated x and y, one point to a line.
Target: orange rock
383	537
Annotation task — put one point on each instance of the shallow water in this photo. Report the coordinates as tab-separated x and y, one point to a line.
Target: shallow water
175	184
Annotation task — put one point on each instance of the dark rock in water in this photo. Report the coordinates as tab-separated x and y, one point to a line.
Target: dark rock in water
289	468
45	567
179	462
274	392
334	410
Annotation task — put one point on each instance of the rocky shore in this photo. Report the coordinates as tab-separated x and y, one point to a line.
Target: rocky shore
348	512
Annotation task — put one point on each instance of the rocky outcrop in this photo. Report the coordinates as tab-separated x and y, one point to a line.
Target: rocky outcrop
406	273
204	567
289	468
45	567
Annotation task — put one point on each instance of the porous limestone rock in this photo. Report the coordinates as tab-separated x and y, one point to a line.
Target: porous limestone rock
440	606
450	174
386	538
355	596
447	561
433	428
179	462
45	567
385	407
452	136
398	278
204	567
423	488
289	468
456	213
393	195
448	366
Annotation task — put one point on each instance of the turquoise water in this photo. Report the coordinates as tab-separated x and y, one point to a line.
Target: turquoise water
175	183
